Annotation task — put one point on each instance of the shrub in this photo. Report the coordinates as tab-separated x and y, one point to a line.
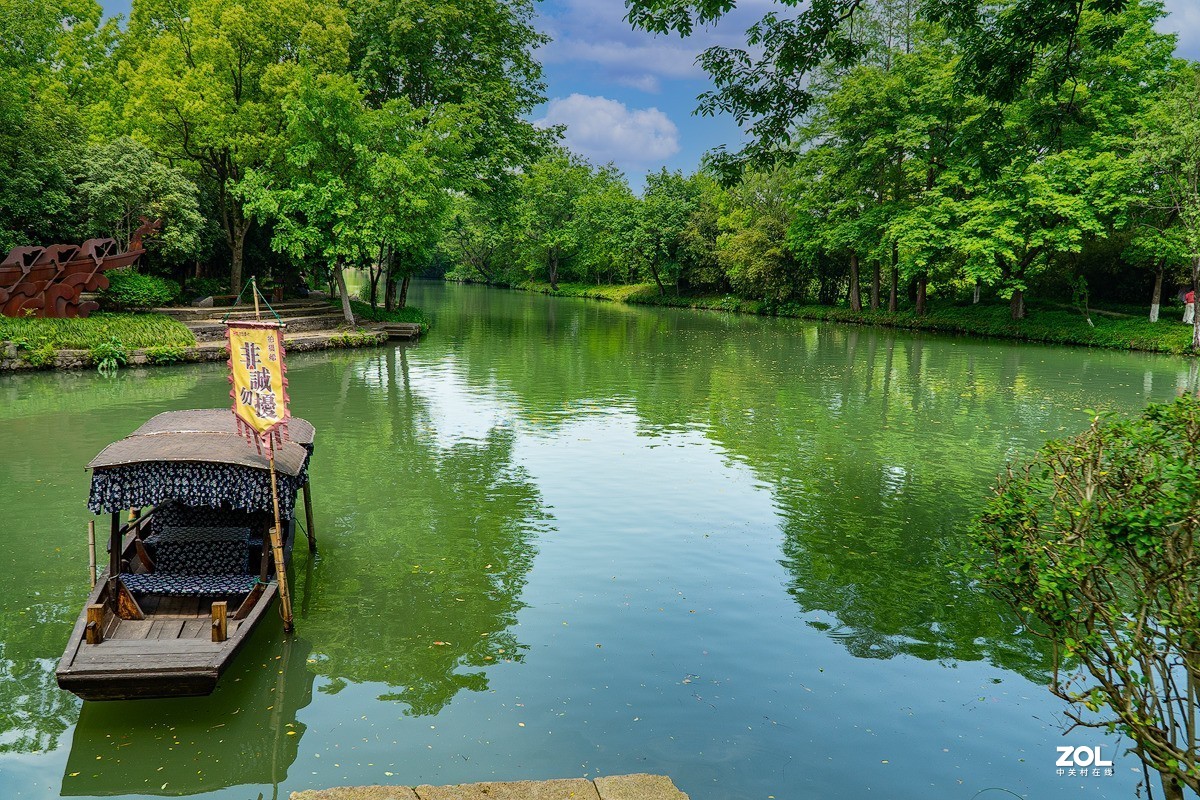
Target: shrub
205	287
166	354
108	356
129	289
359	338
1094	544
40	356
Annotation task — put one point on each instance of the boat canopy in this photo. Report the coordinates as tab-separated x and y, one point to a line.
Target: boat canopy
198	459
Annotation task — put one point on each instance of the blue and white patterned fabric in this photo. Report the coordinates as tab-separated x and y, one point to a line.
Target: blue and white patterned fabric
188	585
175	515
200	551
191	483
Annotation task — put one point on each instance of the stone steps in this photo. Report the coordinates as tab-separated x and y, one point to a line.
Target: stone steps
209	330
292	308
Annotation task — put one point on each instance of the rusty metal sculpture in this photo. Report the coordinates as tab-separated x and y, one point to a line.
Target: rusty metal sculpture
48	281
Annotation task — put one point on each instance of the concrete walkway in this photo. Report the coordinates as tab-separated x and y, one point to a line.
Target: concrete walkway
613	787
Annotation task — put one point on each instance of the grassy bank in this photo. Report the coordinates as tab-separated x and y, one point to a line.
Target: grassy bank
131	330
1049	325
408	314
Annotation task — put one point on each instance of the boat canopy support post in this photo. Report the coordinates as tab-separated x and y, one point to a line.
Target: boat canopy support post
308	518
285	598
92	554
114	558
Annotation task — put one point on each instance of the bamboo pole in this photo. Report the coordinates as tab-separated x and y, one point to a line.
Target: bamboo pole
285	599
92	554
308	518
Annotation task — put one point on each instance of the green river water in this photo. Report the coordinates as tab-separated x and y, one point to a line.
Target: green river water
564	538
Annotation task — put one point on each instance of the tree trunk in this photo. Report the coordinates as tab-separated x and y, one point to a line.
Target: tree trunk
389	282
1172	790
403	301
236	250
654	271
922	286
892	304
1156	298
389	293
1016	306
975	297
340	277
1196	319
376	270
855	294
875	282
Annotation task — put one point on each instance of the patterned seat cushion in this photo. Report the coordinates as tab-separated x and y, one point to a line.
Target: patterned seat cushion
200	551
188	585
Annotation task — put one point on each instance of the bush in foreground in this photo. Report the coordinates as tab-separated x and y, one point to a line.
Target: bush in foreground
1094	544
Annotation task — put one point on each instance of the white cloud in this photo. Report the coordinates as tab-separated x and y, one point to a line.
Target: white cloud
595	32
1184	19
604	130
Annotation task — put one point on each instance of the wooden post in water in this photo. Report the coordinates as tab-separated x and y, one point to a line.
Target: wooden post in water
91	554
308	518
285	599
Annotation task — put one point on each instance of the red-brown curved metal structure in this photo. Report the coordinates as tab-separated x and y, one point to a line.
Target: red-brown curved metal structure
48	281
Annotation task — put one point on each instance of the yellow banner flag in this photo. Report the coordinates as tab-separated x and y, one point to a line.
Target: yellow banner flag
257	372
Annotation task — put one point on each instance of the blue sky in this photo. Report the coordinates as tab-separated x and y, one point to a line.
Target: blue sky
628	97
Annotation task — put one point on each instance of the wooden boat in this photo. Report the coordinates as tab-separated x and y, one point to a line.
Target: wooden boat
191	572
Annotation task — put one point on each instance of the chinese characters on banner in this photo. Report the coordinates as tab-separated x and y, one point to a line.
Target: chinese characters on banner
257	373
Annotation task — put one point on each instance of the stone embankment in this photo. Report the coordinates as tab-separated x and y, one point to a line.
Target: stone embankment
612	787
311	325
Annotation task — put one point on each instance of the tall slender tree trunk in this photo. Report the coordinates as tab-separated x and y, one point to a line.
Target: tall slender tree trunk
855	294
339	275
922	287
1156	298
975	296
404	292
892	299
876	277
389	282
1196	319
553	270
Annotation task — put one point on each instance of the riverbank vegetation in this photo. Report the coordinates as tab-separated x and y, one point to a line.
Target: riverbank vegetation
1047	323
37	339
899	180
1094	546
280	138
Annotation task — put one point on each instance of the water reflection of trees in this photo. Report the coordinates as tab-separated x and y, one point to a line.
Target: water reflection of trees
430	547
876	446
52	424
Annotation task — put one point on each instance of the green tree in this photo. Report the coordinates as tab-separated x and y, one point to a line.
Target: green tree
1169	147
121	181
208	83
546	212
657	240
46	50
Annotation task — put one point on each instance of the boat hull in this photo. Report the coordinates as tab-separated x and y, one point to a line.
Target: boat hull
135	668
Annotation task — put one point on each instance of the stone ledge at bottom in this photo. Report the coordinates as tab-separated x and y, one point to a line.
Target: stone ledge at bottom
612	787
